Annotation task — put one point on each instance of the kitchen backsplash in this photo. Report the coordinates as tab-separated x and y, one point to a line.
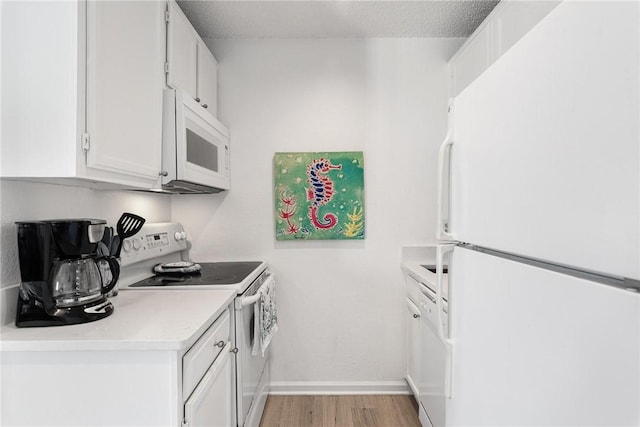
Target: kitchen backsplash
23	201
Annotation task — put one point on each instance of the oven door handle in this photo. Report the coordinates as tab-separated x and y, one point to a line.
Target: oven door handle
250	300
245	301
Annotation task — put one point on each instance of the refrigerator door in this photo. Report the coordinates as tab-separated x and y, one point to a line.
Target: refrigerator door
536	347
545	158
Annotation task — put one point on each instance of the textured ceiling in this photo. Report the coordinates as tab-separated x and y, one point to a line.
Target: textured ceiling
335	19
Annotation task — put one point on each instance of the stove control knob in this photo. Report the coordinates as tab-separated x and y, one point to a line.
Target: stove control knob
180	235
126	245
137	244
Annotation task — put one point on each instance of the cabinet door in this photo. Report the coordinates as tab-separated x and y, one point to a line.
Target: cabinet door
207	79
413	346
124	87
503	28
514	19
471	60
40	114
182	52
211	403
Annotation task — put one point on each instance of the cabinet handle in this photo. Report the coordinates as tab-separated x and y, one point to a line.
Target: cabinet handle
164	173
234	350
219	344
205	106
415	316
197	99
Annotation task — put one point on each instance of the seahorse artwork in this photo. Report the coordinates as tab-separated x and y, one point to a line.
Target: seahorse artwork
288	211
355	225
319	195
320	192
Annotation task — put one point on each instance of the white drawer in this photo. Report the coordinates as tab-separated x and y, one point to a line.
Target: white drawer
200	357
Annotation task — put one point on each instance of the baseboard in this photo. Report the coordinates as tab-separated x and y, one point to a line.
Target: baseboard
338	387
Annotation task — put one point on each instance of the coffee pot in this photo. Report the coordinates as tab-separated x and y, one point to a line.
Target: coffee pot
64	280
82	281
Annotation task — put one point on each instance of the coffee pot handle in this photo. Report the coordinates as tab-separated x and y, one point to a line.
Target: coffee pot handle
114	266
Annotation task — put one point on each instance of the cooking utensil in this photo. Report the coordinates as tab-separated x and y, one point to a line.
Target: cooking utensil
107	238
115	244
102	250
128	225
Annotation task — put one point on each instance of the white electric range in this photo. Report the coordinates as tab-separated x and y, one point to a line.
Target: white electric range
159	243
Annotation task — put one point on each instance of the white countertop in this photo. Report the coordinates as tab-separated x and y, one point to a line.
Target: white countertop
419	273
142	320
426	277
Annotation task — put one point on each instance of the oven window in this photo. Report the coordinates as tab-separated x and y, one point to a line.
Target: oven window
201	152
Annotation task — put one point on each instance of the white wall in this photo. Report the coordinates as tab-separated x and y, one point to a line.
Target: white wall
25	201
341	303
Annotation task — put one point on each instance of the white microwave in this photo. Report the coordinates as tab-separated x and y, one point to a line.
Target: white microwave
195	147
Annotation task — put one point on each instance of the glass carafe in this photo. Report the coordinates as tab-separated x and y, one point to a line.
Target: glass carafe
79	281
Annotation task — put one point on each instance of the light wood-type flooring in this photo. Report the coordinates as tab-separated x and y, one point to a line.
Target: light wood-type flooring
343	411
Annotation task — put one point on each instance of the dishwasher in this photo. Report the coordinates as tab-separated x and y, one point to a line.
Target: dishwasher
434	370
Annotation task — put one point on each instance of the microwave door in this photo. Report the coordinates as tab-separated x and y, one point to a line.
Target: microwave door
202	153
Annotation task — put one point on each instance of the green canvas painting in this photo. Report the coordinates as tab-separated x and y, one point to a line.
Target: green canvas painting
319	195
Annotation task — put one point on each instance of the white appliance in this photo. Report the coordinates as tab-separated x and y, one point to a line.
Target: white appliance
539	223
167	243
195	147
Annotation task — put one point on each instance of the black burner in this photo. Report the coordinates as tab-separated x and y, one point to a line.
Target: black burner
212	273
432	268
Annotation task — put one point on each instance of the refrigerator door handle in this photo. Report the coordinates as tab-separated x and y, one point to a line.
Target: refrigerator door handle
443	228
441	250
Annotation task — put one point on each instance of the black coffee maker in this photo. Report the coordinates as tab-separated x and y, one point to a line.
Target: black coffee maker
64	280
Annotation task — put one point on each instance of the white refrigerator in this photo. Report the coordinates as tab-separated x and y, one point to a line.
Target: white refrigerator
539	223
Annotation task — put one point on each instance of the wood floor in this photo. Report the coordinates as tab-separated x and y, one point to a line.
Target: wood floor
343	411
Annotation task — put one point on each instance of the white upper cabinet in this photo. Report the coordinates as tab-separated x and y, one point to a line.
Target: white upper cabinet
505	25
182	51
207	79
124	87
82	92
190	65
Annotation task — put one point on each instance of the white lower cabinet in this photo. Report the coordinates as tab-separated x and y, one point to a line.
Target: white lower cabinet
413	352
208	378
211	404
413	346
113	386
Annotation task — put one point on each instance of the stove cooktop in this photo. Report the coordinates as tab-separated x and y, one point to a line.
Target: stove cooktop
212	273
432	268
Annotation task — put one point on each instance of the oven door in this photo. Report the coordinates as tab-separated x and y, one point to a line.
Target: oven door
252	381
